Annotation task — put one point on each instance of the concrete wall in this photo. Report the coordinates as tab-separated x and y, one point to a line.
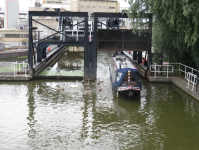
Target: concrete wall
94	6
4	39
51	22
76	49
39	8
11	14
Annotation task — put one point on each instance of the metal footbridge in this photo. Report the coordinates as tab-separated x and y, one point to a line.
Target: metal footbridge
92	39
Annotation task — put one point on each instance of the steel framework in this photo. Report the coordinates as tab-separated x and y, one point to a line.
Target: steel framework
90	48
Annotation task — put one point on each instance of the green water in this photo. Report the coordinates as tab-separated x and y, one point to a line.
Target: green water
70	64
37	115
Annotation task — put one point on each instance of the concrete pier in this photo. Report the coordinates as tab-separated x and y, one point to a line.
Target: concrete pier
13	53
21	77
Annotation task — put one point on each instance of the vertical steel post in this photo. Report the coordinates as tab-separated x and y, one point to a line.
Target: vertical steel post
86	50
185	71
44	52
161	62
167	70
94	50
30	47
134	55
139	56
39	35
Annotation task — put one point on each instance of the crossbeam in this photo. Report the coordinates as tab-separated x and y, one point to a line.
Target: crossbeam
53	30
115	15
56	33
58	14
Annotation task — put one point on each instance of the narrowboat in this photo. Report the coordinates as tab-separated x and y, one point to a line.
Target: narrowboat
124	76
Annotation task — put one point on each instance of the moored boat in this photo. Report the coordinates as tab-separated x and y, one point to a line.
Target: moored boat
124	76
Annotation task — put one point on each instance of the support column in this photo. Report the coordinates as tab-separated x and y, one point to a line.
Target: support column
94	51
44	53
30	47
139	56
86	50
90	52
38	35
39	55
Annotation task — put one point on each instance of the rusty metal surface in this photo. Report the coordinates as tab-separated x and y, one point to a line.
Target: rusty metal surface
142	71
110	45
109	35
121	40
137	46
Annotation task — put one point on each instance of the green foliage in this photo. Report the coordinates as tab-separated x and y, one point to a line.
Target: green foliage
175	26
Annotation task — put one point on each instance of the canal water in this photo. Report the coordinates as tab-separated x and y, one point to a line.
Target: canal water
37	115
70	64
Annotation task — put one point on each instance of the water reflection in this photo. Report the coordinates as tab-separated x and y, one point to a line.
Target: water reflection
70	64
37	115
31	105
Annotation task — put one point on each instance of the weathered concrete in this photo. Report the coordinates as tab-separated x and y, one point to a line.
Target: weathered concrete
159	79
182	83
13	53
179	82
15	77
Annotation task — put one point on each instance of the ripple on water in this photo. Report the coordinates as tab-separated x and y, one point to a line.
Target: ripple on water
37	115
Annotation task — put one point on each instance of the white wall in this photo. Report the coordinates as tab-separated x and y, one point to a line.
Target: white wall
11	14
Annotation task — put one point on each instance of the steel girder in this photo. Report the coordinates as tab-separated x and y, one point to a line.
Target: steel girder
128	44
42	45
58	14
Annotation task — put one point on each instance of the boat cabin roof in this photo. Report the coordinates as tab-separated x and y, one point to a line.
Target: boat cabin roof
123	61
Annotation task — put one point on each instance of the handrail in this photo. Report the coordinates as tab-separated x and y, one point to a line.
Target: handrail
161	71
77	31
185	71
14	67
191	78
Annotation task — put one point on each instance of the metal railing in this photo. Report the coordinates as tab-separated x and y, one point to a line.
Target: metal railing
59	28
19	67
157	68
192	78
189	73
185	70
178	69
77	33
